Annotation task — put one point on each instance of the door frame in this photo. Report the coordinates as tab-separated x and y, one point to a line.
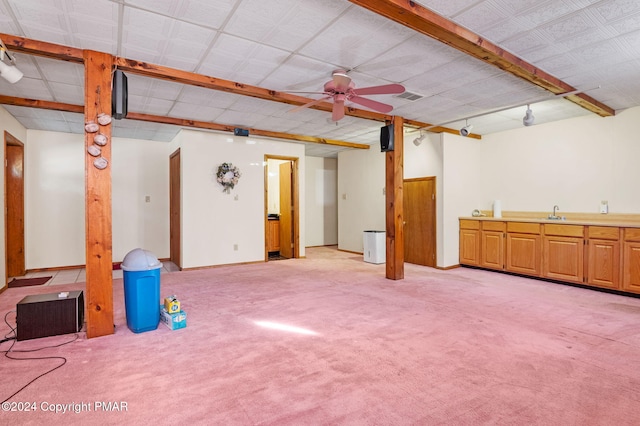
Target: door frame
10	140
296	203
434	231
175	229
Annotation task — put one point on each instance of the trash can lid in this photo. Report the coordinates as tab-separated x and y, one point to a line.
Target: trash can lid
140	260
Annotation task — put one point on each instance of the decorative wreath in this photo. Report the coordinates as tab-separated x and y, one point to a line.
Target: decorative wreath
228	176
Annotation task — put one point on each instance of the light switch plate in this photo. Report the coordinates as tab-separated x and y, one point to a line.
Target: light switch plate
604	207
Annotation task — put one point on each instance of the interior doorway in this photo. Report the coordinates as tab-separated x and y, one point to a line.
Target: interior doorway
419	199
281	208
14	206
174	208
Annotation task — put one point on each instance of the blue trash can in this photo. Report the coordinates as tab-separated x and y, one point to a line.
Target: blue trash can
141	271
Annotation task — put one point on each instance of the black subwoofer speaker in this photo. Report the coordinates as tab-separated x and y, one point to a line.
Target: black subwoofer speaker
42	315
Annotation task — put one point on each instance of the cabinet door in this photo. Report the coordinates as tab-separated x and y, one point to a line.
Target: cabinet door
603	260
563	258
470	247
523	253
631	267
492	250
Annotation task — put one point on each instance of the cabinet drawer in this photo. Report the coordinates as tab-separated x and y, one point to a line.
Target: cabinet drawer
469	224
493	226
604	232
564	230
523	227
632	234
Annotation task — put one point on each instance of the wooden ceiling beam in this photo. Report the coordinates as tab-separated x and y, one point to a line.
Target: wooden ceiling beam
420	19
56	51
42	48
59	106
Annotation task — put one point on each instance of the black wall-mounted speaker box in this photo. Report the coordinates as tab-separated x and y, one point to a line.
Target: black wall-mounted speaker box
119	95
240	132
42	315
386	138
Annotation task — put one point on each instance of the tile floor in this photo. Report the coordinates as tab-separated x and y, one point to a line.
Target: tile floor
68	276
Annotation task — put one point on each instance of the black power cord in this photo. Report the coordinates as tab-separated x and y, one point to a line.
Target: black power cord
8	351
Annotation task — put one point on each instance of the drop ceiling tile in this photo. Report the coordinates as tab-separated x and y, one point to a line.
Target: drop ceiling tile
616	9
205	12
447	8
356	37
67	93
481	16
61	71
235	59
288	24
191	112
202	96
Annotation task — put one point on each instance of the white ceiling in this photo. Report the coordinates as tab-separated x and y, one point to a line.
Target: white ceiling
294	45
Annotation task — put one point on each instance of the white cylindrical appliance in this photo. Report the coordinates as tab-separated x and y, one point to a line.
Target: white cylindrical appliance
497	208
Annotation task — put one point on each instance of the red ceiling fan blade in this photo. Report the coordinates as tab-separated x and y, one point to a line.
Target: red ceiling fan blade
338	110
308	104
374	105
387	89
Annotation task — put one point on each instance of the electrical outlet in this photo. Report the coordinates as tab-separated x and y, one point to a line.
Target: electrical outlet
147	198
235	197
604	207
235	247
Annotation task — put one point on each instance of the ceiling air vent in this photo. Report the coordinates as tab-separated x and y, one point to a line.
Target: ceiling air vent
410	96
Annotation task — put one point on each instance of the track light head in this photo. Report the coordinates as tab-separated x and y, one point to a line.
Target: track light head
418	141
528	119
10	73
466	130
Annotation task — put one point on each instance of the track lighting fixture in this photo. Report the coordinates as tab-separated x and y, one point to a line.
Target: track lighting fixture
528	119
8	72
466	129
417	141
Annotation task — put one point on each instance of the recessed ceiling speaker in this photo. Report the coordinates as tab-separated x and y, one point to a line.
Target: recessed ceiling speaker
386	138
119	95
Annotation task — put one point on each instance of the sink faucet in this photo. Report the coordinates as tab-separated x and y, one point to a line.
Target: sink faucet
555	208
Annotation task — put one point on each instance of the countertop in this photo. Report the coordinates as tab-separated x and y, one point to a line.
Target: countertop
616	220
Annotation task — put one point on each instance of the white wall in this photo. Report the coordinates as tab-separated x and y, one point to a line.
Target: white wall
212	221
322	201
361	201
573	163
55	198
11	125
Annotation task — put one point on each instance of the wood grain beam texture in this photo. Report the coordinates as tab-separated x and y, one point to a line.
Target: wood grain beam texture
420	19
55	51
98	67
394	205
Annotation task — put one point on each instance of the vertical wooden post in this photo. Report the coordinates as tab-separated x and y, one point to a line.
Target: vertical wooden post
394	171
97	99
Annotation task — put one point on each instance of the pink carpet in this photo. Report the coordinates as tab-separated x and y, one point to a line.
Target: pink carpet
459	347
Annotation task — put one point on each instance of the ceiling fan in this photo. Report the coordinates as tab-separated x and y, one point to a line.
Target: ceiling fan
341	89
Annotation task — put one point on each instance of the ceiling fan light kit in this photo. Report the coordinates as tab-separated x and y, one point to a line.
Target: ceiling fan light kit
341	89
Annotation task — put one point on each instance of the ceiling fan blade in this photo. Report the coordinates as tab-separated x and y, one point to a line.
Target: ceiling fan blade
308	104
374	105
338	111
341	81
386	89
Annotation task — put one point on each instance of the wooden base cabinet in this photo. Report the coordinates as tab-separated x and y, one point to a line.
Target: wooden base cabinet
470	242
492	244
631	260
524	248
603	256
563	252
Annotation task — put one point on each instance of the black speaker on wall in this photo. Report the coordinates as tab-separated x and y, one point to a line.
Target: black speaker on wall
119	101
386	138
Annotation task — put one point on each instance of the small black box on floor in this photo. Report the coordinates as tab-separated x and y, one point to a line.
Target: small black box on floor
42	315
